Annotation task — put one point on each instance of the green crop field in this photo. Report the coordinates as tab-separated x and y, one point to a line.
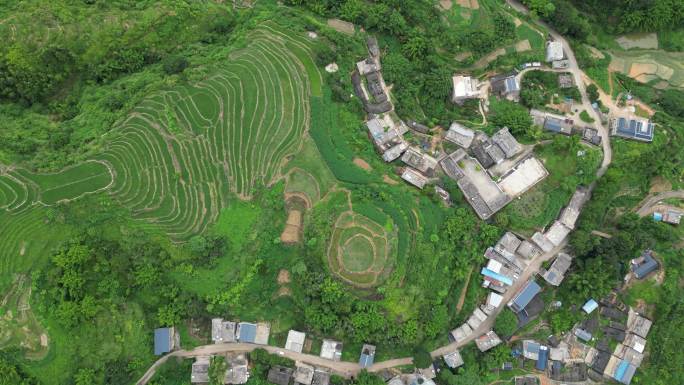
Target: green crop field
361	251
179	154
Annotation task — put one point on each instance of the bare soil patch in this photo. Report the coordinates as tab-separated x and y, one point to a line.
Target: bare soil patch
284	291
341	26
660	184
292	227
638	40
283	277
489	58
446	4
386	178
596	53
523	45
463	56
472	4
517	22
362	163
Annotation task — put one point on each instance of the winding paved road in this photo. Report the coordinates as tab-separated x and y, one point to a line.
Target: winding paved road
350	369
578	75
647	204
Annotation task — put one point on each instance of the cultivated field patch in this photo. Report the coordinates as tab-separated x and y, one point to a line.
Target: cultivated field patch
181	153
18	325
361	252
650	66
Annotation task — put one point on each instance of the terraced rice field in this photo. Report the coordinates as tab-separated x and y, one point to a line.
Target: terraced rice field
361	252
179	155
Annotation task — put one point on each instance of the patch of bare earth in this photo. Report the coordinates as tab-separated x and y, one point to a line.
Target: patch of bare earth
446	4
523	45
362	163
292	227
341	26
660	184
463	56
283	277
386	178
517	22
472	4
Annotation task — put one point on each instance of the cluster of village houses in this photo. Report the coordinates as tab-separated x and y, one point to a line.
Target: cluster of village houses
237	368
490	171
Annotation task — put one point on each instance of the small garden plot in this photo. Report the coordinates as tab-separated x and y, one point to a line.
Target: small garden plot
539	87
361	252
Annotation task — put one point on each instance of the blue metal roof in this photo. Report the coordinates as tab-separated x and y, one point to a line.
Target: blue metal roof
366	360
552	124
635	129
526	295
543	357
657	216
648	266
511	85
247	332
590	306
621	370
162	341
501	278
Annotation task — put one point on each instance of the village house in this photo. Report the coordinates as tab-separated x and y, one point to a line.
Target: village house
165	340
556	273
644	265
331	350
303	373
493	302
222	331
419	161
295	341
460	333
572	211
487	341
552	122
591	135
524	296
565	80
253	333
506	85
321	377
560	64
554	51
632	127
279	375
465	88
460	135
414	177
423	129
200	370
238	371
557	233
506	142
367	356
671	216
590	306
453	359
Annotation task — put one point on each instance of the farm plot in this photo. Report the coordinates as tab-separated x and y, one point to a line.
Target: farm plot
180	154
650	65
361	252
18	325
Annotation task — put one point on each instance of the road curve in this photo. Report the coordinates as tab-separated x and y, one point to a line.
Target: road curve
577	74
645	205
